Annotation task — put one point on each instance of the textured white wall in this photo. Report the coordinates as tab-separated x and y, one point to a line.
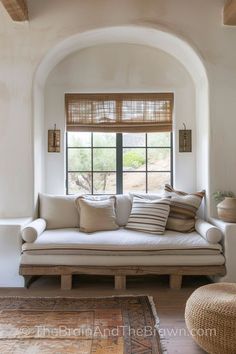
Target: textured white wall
23	46
119	68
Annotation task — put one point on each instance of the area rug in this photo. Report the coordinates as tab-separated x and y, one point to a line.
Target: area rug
112	325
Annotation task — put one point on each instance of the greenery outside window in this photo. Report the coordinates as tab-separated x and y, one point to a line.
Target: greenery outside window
116	163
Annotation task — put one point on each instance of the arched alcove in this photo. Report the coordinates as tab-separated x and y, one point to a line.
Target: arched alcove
152	37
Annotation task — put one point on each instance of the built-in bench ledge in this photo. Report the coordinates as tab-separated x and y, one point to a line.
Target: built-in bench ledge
229	244
10	251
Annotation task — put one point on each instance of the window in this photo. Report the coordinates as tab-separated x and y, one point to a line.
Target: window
110	163
118	143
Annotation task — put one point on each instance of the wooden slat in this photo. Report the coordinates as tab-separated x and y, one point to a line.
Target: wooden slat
17	9
230	13
120	282
66	282
175	281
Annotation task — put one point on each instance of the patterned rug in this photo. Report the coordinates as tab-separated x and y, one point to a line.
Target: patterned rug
112	325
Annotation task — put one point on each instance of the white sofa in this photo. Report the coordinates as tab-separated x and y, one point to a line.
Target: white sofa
53	244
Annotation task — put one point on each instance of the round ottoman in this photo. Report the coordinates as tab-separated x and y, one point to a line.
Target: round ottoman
210	316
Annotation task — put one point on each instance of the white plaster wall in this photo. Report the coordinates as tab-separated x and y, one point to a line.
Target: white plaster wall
119	68
23	46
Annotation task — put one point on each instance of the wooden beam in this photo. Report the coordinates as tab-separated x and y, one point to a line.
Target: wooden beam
230	13
27	269
17	9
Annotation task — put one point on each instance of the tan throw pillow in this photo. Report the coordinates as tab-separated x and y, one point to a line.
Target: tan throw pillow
96	215
183	209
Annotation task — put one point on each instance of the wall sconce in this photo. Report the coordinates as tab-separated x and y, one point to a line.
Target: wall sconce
185	140
54	139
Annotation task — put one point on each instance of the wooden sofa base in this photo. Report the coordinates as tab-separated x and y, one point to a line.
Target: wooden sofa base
119	273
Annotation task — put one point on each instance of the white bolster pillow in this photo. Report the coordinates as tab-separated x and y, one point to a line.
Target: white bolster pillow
33	230
210	232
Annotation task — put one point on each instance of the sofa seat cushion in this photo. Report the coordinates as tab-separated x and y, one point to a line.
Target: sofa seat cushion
122	260
121	240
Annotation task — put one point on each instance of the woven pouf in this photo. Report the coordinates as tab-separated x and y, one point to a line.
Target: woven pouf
210	316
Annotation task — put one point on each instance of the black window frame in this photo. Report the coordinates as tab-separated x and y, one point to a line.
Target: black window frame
119	162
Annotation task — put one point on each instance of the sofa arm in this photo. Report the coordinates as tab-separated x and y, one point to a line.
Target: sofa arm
33	230
209	232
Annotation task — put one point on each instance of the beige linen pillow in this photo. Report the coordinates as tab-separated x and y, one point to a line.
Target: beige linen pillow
96	215
59	211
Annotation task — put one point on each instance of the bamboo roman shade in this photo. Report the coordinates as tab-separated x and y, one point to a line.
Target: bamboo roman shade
131	112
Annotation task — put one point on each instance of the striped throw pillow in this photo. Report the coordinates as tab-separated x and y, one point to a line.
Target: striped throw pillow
183	209
149	215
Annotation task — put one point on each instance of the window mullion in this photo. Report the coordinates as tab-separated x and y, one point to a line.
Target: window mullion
119	164
171	159
67	168
91	163
146	154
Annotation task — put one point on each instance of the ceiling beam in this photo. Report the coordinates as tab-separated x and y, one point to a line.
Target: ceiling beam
17	9
230	13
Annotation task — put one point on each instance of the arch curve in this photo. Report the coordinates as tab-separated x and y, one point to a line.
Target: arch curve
131	34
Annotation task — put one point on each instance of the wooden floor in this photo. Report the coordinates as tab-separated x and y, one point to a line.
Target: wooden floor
170	304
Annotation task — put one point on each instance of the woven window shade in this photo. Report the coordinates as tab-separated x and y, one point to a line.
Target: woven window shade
119	112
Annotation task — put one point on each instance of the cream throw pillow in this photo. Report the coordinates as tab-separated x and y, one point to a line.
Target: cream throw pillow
96	215
59	212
